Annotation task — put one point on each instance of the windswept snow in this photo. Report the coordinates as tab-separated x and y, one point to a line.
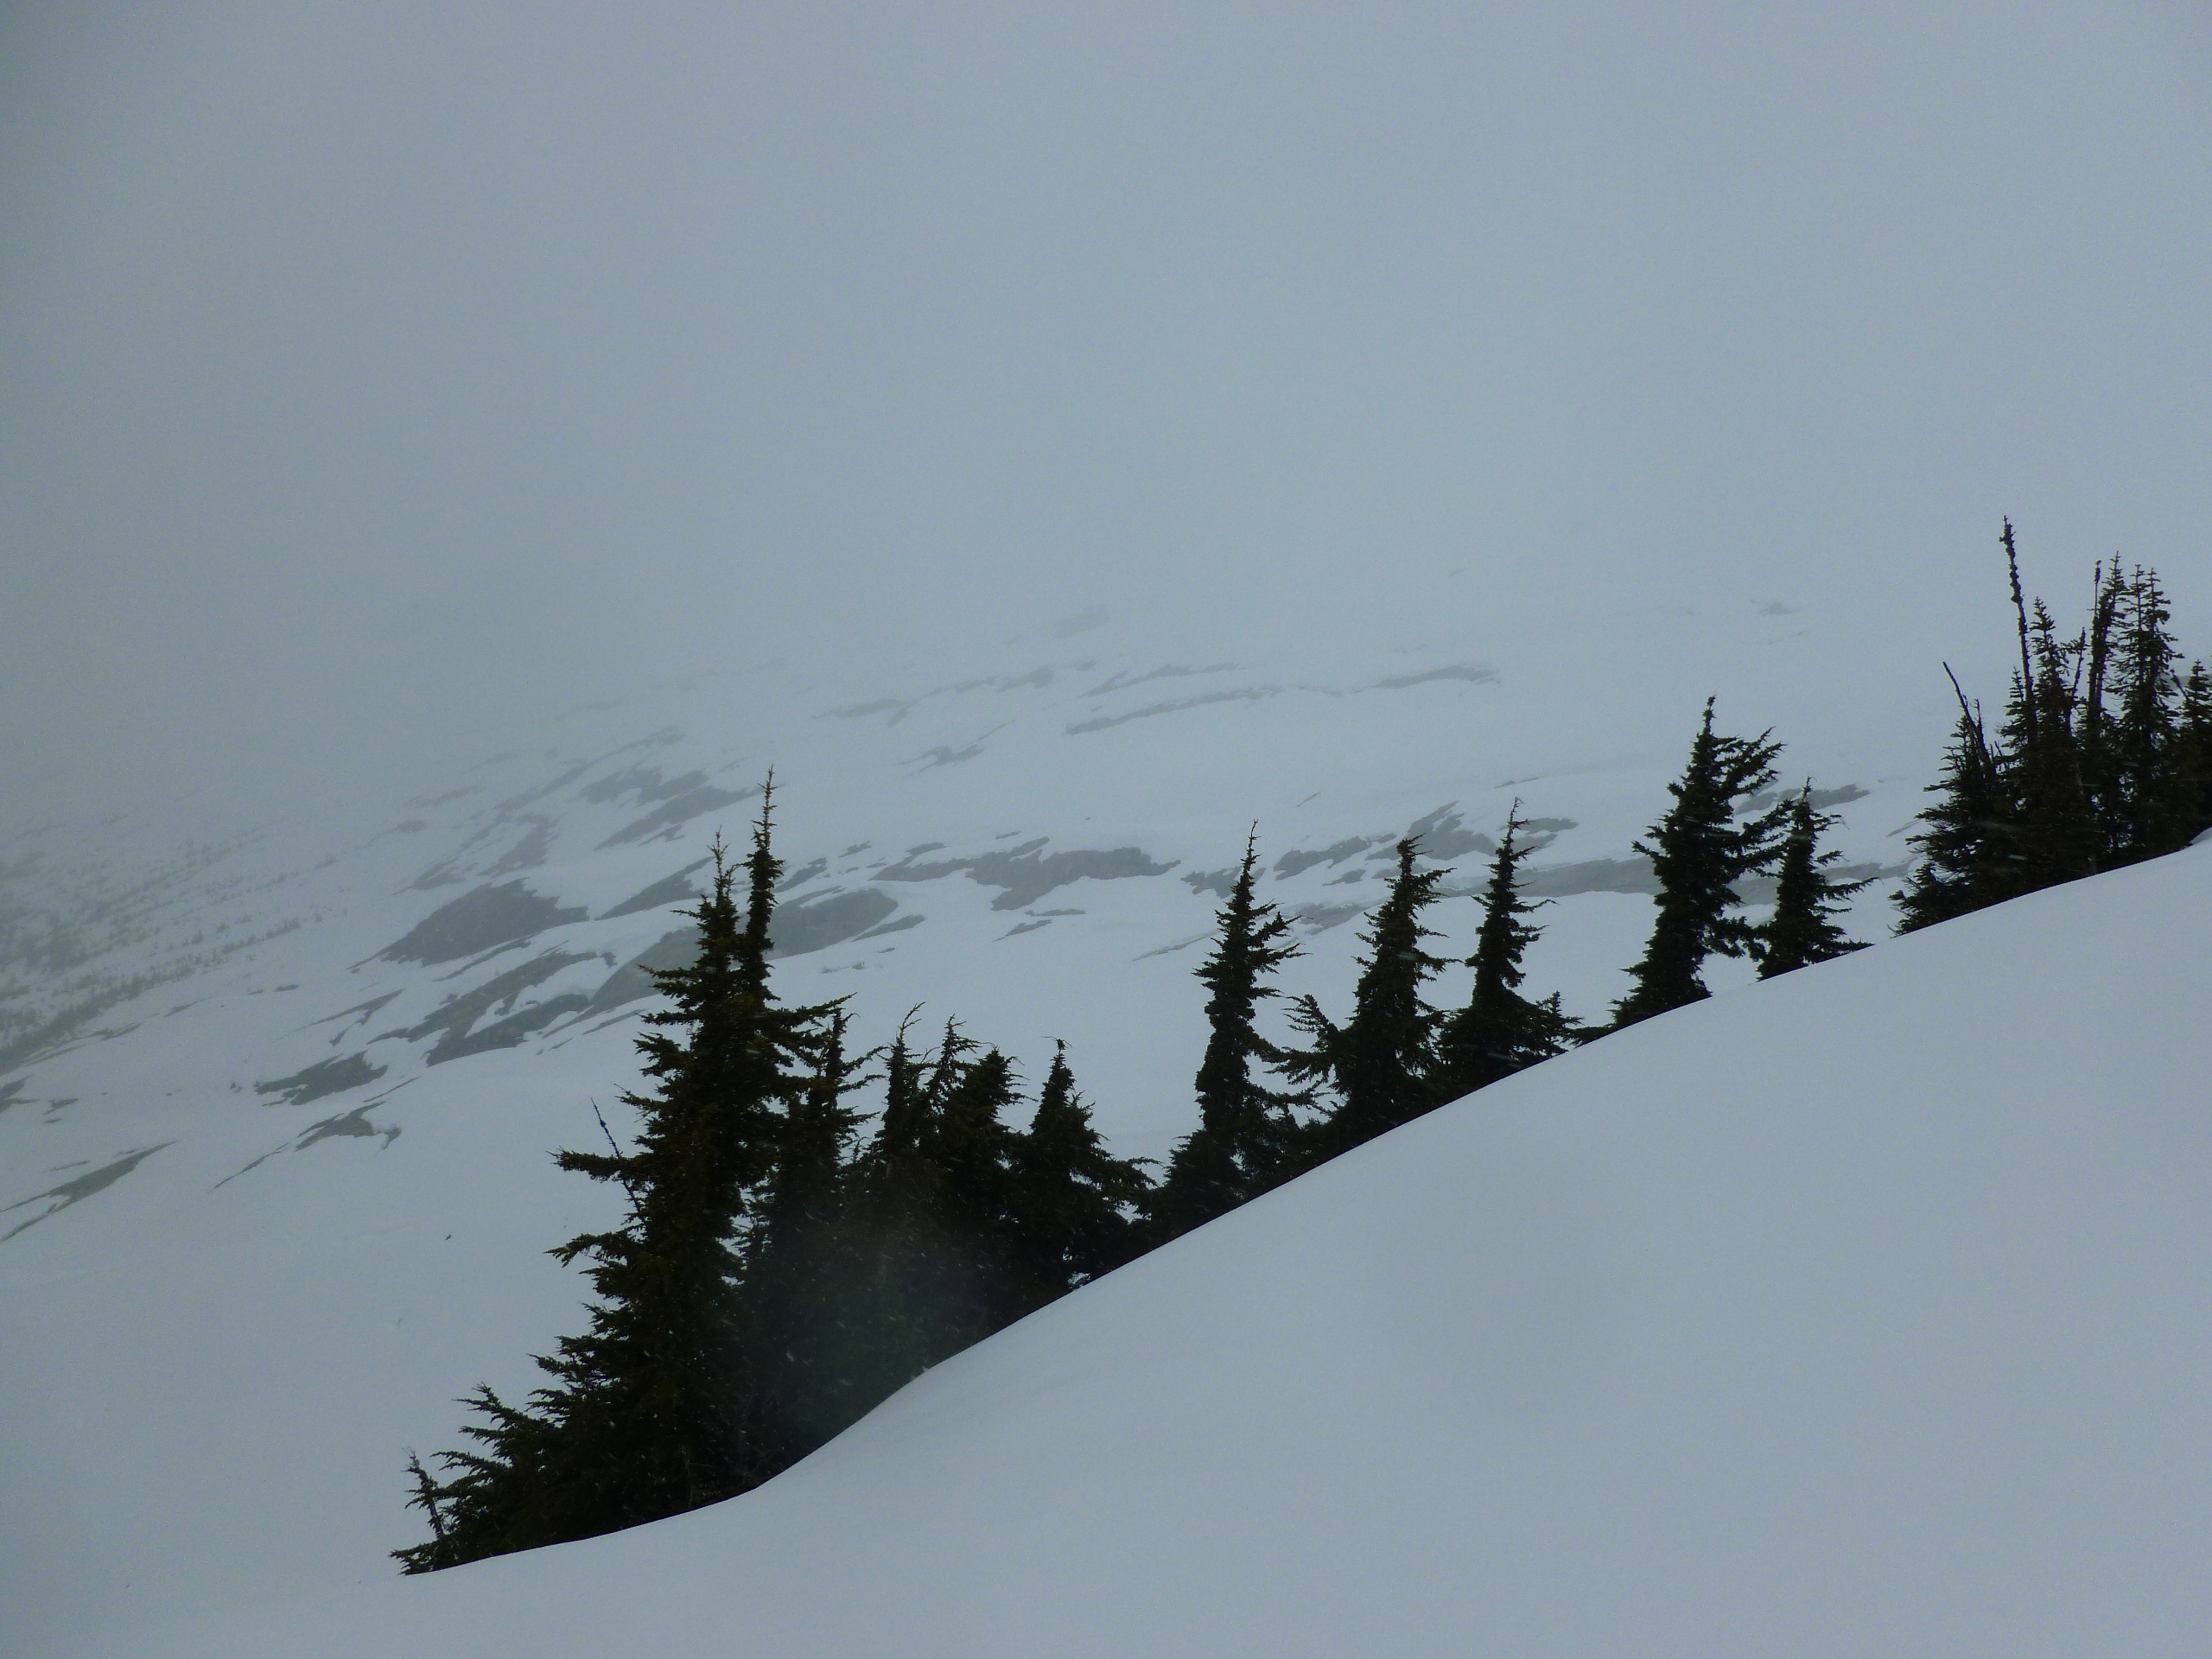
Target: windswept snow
283	1156
1860	1312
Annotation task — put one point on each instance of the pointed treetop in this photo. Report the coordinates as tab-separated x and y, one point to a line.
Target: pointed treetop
1699	851
1807	899
762	869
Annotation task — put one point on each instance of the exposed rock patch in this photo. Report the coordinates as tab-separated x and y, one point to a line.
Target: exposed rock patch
323	1078
1026	874
58	1198
453	1022
679	810
1102	723
479	921
670	890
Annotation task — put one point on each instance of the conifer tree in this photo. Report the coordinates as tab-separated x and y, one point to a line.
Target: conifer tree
1380	1062
895	1215
2019	615
2153	815
900	1131
1807	898
1500	1031
2193	769
1073	1200
1699	851
1954	873
653	1411
955	1225
891	1195
2103	757
935	1266
982	1288
791	1298
1245	1132
2055	835
2094	733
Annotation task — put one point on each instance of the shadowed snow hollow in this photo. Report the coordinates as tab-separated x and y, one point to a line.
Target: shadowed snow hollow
1862	1312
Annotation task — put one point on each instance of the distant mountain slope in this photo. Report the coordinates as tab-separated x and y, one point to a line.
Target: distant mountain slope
1863	1311
282	1065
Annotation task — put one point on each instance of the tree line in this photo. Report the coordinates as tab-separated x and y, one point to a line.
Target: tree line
2101	758
786	1261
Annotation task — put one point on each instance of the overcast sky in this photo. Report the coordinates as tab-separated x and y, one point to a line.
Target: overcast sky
360	361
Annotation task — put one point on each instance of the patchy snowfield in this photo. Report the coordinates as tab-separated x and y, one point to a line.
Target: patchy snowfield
449	454
275	1105
1861	1313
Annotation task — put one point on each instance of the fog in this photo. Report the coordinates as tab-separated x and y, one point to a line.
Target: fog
370	370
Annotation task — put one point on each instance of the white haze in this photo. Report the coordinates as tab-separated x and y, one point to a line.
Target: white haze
386	389
369	373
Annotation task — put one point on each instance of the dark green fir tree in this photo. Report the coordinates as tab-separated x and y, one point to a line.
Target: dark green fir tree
981	1284
1699	851
2194	768
1806	897
884	1332
2154	814
1243	1139
653	1410
2095	732
1501	1032
933	1265
1966	830
792	1297
2055	835
1380	1063
1074	1203
2104	756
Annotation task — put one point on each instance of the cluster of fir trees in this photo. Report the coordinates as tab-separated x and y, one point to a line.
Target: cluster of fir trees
1397	1055
775	1275
1269	1111
771	1280
2103	756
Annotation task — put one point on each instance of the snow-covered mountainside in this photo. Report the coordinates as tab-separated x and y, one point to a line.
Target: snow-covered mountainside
1860	1312
450	455
275	1104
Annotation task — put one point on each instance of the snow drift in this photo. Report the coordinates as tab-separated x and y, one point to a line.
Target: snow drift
275	1181
1862	1312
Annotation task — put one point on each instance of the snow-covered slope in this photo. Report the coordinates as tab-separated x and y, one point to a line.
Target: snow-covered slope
1863	1311
276	1102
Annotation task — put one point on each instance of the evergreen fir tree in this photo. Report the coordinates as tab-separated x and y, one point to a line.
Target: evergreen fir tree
1073	1202
2055	837
891	1194
791	1298
954	1225
2019	615
1807	898
1245	1131
905	1123
1699	851
1380	1062
2193	768
2104	756
1954	873
933	1265
2094	734
981	1286
2154	816
654	1409
1500	1031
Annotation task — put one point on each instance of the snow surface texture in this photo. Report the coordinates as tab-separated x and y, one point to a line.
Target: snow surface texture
276	1104
1861	1313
